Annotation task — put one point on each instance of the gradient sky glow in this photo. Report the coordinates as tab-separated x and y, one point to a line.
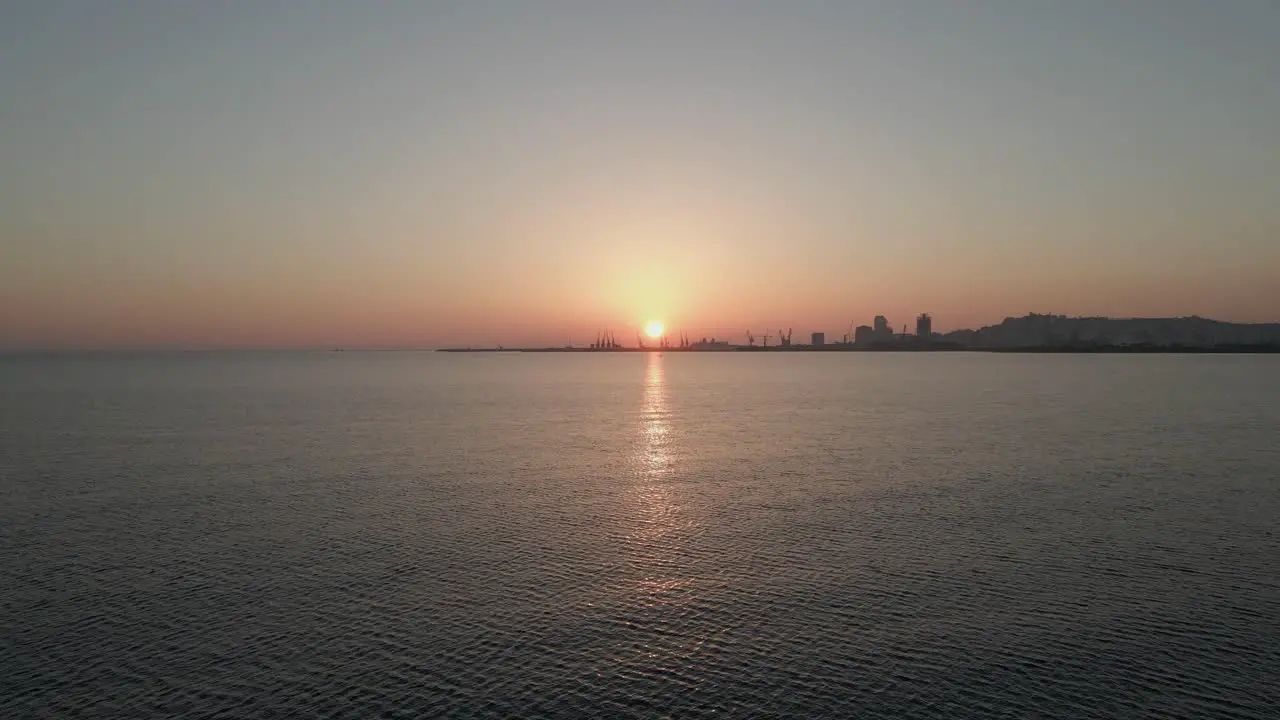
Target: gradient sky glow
396	173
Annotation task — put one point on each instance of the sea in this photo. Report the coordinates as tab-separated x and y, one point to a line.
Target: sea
639	535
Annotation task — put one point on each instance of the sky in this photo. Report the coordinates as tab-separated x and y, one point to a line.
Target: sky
177	173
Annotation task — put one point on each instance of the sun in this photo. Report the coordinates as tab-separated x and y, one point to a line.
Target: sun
653	328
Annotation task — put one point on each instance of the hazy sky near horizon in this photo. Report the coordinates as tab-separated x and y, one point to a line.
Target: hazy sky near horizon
399	173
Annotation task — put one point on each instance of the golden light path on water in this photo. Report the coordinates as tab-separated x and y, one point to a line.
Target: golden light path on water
655	514
661	539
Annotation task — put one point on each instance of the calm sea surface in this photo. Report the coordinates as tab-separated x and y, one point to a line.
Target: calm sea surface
744	535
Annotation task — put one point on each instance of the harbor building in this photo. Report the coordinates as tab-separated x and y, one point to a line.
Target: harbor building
924	328
882	331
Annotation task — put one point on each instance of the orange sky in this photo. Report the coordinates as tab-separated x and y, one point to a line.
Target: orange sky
214	176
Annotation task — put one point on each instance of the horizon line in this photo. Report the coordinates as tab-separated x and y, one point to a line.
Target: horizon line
190	347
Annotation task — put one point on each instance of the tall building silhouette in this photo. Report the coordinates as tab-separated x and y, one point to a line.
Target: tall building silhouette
924	327
882	331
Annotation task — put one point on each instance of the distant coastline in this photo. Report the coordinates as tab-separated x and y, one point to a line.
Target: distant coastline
1049	349
1033	333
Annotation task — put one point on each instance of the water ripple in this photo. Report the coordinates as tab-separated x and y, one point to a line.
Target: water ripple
649	536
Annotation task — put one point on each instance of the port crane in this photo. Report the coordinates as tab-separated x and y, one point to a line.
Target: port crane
766	337
605	340
751	339
784	338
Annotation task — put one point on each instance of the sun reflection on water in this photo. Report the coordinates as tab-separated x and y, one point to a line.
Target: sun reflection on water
661	588
655	426
660	525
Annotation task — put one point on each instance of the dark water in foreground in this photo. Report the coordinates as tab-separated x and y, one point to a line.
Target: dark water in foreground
816	535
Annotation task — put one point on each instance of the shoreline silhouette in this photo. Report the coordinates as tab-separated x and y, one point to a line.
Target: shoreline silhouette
1030	333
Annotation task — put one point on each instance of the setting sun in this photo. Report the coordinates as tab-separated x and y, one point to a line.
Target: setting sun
653	329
